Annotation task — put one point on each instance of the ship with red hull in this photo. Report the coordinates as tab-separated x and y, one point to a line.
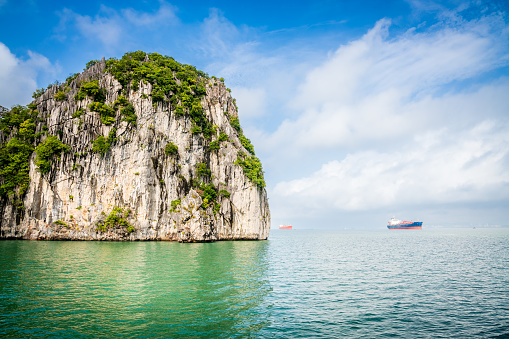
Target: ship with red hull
395	224
285	227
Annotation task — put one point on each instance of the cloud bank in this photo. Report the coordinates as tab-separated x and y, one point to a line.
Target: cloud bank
114	29
403	121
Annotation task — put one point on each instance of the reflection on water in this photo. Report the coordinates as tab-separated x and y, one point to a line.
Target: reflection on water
149	289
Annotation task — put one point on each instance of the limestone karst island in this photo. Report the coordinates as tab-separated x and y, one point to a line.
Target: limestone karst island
137	148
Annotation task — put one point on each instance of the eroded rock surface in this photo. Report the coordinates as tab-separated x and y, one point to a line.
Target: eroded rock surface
136	190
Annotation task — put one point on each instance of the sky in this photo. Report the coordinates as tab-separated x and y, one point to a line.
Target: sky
359	110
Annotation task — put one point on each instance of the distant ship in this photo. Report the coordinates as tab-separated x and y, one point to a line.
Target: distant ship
395	224
285	227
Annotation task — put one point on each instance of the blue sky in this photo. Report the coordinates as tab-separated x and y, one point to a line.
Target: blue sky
359	110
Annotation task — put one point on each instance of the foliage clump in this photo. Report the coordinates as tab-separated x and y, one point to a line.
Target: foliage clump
27	131
171	149
129	115
14	167
209	194
251	165
12	119
61	223
247	144
126	110
92	90
47	150
38	92
224	193
195	129
116	219
223	137
181	85
100	145
78	113
174	205
252	168
214	146
71	78
18	123
235	123
106	112
121	101
208	131
90	64
202	170
60	96
103	145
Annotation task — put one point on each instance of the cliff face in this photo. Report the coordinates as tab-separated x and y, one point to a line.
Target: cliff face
135	160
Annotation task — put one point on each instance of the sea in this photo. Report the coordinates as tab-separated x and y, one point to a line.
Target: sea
429	283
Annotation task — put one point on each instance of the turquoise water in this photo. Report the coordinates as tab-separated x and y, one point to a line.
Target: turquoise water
298	284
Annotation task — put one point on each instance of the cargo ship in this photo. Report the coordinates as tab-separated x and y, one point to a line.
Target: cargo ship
285	227
395	224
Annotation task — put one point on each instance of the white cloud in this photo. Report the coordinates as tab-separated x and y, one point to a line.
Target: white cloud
218	35
402	124
18	78
114	28
437	167
164	15
105	28
252	101
367	90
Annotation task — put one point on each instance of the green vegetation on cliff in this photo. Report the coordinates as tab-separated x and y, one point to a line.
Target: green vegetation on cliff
47	151
14	166
103	145
126	110
181	85
106	112
15	154
60	96
222	137
18	126
252	168
171	149
128	114
208	194
174	205
214	145
12	119
116	219
92	90
251	165
202	170
247	144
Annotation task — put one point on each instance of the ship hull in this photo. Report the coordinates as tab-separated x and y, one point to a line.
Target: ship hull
406	226
285	227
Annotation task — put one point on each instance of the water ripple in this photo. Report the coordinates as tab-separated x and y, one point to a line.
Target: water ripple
299	284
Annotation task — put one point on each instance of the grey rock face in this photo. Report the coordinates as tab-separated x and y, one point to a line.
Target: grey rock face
82	189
